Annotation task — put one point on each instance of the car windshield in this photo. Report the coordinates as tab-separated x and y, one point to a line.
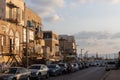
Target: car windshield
34	67
11	71
51	66
110	62
61	65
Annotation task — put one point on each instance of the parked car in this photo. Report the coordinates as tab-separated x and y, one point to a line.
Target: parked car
75	66
63	67
71	67
38	71
83	65
87	64
54	69
110	65
80	65
15	73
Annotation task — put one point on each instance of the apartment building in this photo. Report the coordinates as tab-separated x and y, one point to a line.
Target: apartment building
67	46
52	41
33	25
19	24
11	24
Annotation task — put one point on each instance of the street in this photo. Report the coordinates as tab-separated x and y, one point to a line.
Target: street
93	73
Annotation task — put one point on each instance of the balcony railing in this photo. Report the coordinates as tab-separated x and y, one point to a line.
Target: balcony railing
12	5
13	20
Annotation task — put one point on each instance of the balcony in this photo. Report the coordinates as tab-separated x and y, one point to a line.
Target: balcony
13	20
12	5
38	35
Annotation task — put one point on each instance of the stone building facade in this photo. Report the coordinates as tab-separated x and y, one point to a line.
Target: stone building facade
11	26
13	11
67	46
18	24
33	24
10	39
52	41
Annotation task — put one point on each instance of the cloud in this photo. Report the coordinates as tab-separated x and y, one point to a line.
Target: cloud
93	35
115	36
52	19
98	1
46	8
101	42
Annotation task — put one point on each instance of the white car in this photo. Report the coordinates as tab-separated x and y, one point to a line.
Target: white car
38	71
110	65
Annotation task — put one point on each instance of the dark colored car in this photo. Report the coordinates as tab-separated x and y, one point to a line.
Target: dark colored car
71	67
15	73
80	65
54	69
75	66
63	67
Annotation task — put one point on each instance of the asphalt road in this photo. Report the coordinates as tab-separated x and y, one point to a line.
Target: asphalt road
93	73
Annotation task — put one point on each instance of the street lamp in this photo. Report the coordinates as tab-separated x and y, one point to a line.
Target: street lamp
81	53
27	60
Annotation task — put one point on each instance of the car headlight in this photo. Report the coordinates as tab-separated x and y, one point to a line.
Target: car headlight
37	73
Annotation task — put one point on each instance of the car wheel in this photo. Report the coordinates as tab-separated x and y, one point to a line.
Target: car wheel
14	79
39	76
47	76
28	78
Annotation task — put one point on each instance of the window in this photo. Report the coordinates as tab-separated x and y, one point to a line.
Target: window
47	35
31	35
24	35
23	15
10	12
3	40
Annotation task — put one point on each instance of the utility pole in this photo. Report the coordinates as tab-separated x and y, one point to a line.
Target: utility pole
86	55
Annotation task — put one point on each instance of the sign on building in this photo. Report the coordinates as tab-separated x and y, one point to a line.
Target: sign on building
2	9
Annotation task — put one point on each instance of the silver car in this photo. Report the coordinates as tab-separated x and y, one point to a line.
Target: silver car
38	71
15	73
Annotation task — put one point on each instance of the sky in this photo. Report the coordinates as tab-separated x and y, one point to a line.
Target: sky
94	23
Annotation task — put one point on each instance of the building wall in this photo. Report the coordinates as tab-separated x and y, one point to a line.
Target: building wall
32	16
35	36
11	24
2	9
14	11
51	40
14	17
67	44
10	31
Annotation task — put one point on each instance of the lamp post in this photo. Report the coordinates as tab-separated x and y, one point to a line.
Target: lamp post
81	54
27	60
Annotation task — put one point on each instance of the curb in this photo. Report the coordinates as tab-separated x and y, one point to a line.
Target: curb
106	75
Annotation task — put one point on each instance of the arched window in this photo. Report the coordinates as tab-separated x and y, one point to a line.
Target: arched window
11	33
11	40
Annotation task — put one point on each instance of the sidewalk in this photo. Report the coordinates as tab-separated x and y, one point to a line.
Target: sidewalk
112	75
